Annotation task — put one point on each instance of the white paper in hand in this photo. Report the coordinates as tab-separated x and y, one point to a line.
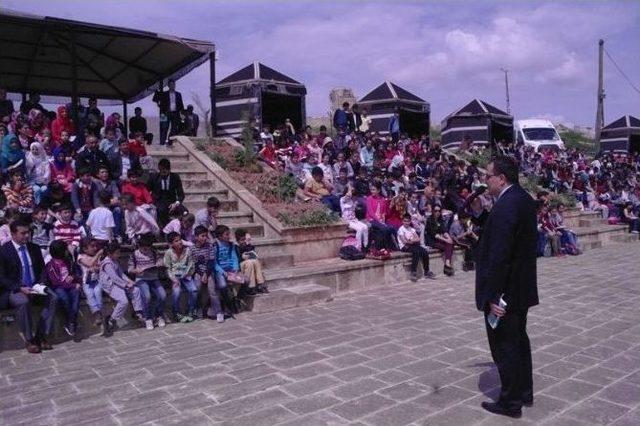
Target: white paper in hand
39	289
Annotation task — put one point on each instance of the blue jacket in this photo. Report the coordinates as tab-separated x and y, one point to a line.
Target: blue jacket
227	258
340	119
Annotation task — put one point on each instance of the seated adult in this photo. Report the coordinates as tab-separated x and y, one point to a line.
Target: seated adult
12	154
121	160
166	188
318	189
22	266
90	157
62	123
437	236
208	217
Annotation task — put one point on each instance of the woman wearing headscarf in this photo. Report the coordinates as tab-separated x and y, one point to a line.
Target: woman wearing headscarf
38	170
61	171
62	122
12	153
113	123
38	123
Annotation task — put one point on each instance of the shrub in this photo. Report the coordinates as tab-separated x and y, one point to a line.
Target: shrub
313	217
285	188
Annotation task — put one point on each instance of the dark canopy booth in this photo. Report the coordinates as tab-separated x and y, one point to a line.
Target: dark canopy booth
622	135
263	93
384	99
483	123
60	57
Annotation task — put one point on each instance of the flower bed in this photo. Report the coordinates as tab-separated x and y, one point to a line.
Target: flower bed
275	190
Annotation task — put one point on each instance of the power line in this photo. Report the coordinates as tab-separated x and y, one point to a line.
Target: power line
622	72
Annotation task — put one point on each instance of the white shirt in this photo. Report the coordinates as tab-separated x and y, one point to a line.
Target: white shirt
30	266
172	100
101	223
405	234
126	165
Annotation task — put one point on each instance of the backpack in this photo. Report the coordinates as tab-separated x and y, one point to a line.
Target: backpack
349	251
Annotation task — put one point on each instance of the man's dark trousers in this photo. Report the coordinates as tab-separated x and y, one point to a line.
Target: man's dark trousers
511	352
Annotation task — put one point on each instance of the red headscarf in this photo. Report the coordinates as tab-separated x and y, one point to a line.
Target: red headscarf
61	124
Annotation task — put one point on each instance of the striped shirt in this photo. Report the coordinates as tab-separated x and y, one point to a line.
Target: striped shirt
202	256
69	232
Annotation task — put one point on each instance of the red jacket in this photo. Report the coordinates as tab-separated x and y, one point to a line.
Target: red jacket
141	194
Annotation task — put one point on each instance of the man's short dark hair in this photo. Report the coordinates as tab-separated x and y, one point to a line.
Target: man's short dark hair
213	202
137	109
240	233
317	171
506	166
20	222
220	229
164	163
171	236
345	104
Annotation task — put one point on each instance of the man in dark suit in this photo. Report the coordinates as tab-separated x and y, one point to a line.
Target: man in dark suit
91	157
167	192
506	265
22	266
170	104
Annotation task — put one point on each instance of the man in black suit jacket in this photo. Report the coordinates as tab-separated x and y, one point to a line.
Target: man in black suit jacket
167	192
22	266
91	157
506	265
170	104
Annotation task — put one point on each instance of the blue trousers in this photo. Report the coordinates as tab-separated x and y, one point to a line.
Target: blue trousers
69	300
153	304
192	295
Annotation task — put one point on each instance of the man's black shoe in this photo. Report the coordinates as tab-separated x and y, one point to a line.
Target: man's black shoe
495	408
527	402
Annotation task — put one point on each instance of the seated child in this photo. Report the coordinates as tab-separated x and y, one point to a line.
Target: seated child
204	257
64	284
182	225
409	242
227	266
250	265
137	220
118	286
89	261
143	265
100	221
180	268
67	229
41	230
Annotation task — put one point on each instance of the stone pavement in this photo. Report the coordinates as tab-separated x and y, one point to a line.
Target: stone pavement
407	354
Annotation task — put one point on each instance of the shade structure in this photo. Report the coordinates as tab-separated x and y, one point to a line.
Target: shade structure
621	135
61	57
382	101
259	93
478	120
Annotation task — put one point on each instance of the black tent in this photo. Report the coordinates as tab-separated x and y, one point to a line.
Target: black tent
384	99
267	95
481	122
622	135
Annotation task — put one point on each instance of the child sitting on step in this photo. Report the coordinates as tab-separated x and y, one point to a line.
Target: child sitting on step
250	265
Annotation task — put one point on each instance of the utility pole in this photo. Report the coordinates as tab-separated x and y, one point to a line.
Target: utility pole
600	111
506	84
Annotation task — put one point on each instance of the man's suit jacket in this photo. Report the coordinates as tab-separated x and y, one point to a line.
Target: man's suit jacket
163	101
114	157
175	193
506	257
92	160
11	267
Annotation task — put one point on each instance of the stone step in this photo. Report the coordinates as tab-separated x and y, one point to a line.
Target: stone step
291	297
604	233
201	184
194	173
225	205
195	205
203	195
235	216
255	229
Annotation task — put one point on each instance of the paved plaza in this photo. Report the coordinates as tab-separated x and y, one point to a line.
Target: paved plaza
409	354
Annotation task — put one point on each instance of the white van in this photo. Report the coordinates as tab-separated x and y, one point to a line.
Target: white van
538	133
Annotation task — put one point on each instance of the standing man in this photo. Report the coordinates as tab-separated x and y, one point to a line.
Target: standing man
138	123
192	121
170	104
22	266
506	267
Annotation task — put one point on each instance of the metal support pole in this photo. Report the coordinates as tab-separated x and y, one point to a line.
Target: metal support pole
212	92
126	118
74	78
506	84
160	89
600	110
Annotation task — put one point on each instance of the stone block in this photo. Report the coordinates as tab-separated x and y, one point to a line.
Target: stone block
358	408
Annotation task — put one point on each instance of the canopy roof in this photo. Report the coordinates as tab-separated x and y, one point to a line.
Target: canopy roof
389	91
626	121
257	72
42	54
478	107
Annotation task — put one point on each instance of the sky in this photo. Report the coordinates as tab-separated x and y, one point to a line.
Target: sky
446	52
